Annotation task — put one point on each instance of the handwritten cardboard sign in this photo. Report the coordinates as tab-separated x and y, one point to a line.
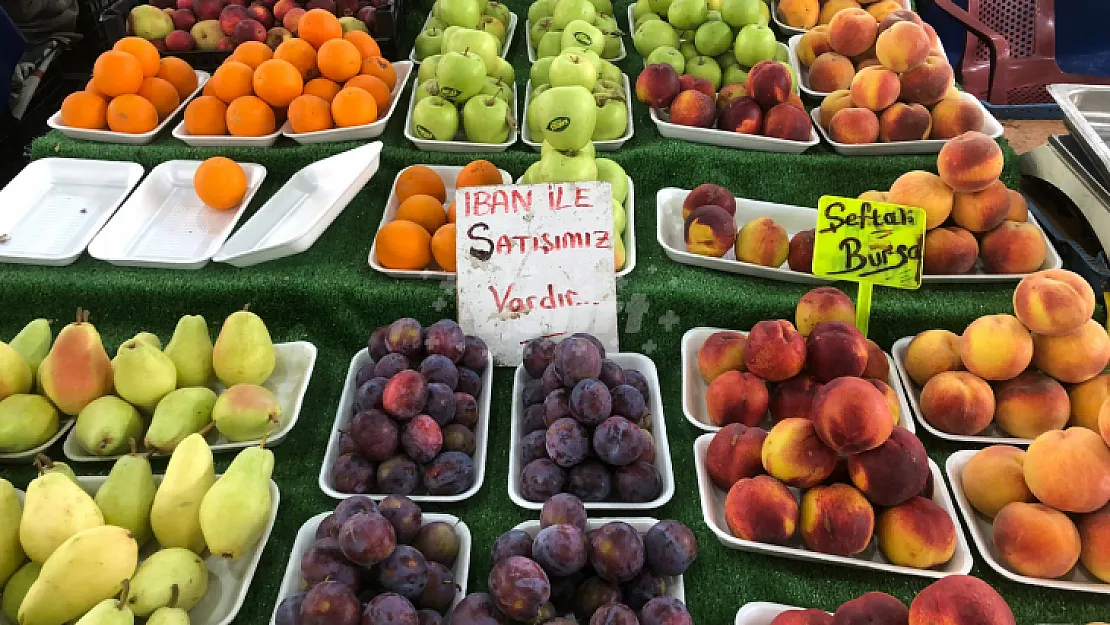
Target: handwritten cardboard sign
535	260
869	242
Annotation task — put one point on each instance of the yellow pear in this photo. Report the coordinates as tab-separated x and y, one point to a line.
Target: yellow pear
16	589
244	353
11	552
15	373
190	349
33	343
168	578
234	513
55	509
175	515
77	369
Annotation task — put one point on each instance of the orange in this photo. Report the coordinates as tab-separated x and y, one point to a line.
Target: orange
477	174
318	26
451	213
381	68
131	114
300	54
322	88
375	87
144	51
403	244
209	89
366	45
443	247
417	180
249	116
424	210
179	74
220	183
232	80
91	88
252	53
161	94
309	113
338	60
84	109
277	82
206	116
116	73
353	107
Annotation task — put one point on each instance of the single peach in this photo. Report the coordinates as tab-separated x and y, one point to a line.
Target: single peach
960	600
736	397
902	46
1094	538
761	509
814	43
852	31
1087	399
875	88
873	196
1013	247
722	351
880	10
892	472
832	7
954	116
970	162
1035	540
831	71
854	126
878	366
824	303
917	533
736	452
708	194
802	617
957	402
932	352
800	255
901	15
927	83
788	121
793	399
794	454
852	416
761	241
996	347
709	231
1069	470
1030	405
1054	302
872	608
980	211
891	398
924	190
836	519
994	477
693	108
835	349
799	13
769	83
832	104
905	122
949	251
1074	357
1019	208
776	350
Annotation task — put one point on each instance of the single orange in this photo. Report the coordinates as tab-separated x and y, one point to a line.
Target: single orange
338	60
403	244
317	26
209	89
277	82
91	88
131	114
179	74
84	109
381	68
443	247
144	51
220	183
322	88
116	73
366	45
161	94
419	179
232	80
300	53
353	107
477	174
424	210
206	116
252	53
451	213
375	87
309	113
250	116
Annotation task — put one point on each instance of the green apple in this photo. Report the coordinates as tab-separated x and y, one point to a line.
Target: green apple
609	88
531	118
479	43
436	9
688	50
566	11
486	119
686	35
650	17
782	55
755	43
793	77
594	57
620	218
426	89
493	26
705	67
531	175
497	89
569	69
584	34
435	22
740	13
714	16
449	34
464	13
539	28
606	23
603	7
537	91
660	6
670	56
427	69
435	118
609	171
547	150
611	72
713	38
612	47
551	44
685	14
567	116
567	165
641	8
764	14
428	43
460	76
726	59
612	118
540	72
540	9
654	34
498	10
734	74
503	71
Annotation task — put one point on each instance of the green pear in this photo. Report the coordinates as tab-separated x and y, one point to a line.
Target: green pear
246	412
33	343
11	552
175	514
45	466
168	616
144	337
16	588
110	612
77	369
179	414
54	509
105	426
168	578
15	373
234	513
244	353
26	422
190	349
126	496
142	374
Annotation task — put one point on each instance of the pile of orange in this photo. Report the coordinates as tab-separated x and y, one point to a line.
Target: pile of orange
423	229
323	79
132	89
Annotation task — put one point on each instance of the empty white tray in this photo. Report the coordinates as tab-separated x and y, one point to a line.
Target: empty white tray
761	612
694	385
293	367
713	510
55	206
532	58
108	136
27	457
223	141
459	144
510	30
164	224
302	209
982	533
601	146
403	69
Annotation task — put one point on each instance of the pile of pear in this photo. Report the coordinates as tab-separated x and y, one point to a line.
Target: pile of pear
135	546
147	394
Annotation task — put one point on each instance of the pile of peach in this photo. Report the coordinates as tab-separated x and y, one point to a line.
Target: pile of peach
806	14
881	77
1030	495
1008	369
953	600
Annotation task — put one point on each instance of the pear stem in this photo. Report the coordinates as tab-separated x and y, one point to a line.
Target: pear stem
175	594
134	447
208	428
246	306
122	603
43	463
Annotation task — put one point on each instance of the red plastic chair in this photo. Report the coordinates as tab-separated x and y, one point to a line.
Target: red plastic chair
1010	54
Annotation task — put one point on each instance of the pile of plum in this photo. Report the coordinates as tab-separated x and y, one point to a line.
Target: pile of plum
608	576
415	410
586	425
374	564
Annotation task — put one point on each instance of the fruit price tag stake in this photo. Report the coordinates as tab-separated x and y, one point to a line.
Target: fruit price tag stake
869	243
535	260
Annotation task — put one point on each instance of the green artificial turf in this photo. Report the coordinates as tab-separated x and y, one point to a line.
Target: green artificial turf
329	296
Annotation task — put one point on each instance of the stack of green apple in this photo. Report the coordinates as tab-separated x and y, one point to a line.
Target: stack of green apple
465	93
491	18
555	25
576	66
718	40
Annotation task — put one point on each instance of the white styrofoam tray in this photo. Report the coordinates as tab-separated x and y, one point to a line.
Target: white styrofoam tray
793	219
761	612
27	457
293	583
164	224
713	511
993	435
228	580
302	209
403	69
108	136
459	144
658	430
981	528
510	30
55	206
532	58
790	30
694	385
223	141
601	146
343	416
293	367
729	139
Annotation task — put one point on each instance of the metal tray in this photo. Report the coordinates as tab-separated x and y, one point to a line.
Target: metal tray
1087	115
